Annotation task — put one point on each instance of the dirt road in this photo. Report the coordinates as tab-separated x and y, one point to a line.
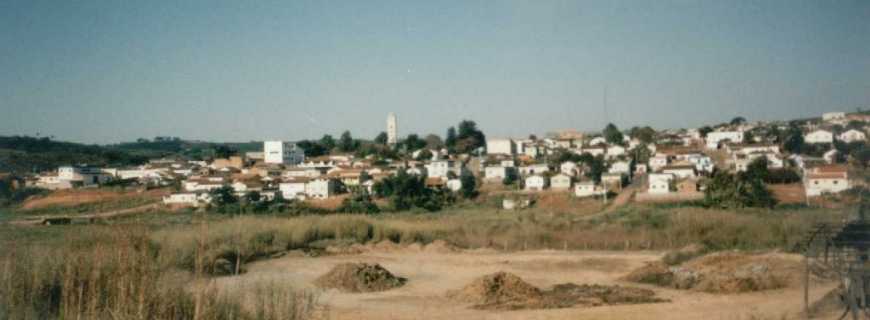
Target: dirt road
431	275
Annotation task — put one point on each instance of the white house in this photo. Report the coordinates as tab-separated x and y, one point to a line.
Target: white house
194	199
714	138
658	161
826	179
500	146
293	188
280	152
534	169
82	175
536	183
454	185
615	151
597	141
819	136
681	171
852	135
568	168
622	167
439	169
660	183
496	173
833	116
320	188
560	182
587	189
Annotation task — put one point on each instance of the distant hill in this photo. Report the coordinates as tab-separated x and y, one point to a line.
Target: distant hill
23	154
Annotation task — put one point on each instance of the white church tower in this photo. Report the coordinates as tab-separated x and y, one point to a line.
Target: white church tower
392	133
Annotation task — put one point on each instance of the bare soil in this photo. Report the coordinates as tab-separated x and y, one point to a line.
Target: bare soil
74	197
359	277
587	277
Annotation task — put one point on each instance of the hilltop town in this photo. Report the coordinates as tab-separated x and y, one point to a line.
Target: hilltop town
797	161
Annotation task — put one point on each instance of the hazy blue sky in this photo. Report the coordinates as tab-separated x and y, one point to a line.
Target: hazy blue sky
108	71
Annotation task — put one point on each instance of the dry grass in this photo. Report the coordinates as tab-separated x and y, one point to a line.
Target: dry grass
77	197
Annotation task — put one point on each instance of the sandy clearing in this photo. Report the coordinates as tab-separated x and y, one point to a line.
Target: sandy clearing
431	275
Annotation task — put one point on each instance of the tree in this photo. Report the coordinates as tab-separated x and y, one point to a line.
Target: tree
253	196
727	190
223	152
381	138
469	186
433	141
738	121
748	137
407	191
469	138
413	142
794	141
450	140
425	154
327	142
346	143
312	148
704	131
612	135
223	196
643	134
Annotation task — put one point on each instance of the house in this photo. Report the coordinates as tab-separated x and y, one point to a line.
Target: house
621	167
280	152
534	169
439	168
293	188
306	172
500	146
852	135
660	183
742	162
658	162
702	163
597	141
594	151
536	183
826	179
320	188
508	163
204	183
231	162
194	199
454	185
587	189
83	175
348	177
569	168
714	138
819	136
615	151
834	116
561	182
497	173
680	171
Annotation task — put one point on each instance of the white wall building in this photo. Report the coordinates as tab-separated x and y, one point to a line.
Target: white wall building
439	169
819	136
852	135
587	189
714	138
833	116
280	152
826	179
536	183
660	183
560	182
500	146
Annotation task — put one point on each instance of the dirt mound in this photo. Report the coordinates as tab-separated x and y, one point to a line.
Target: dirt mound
684	254
359	277
505	291
831	303
499	291
724	272
440	246
596	295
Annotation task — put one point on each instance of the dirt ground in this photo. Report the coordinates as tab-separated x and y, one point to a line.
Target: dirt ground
431	275
75	197
789	193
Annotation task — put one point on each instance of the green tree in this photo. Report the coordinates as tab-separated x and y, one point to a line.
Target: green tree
425	154
794	141
612	135
381	138
738	121
727	190
469	186
327	142
704	131
346	143
433	141
450	140
223	196
223	152
643	134
359	202
469	138
312	148
413	142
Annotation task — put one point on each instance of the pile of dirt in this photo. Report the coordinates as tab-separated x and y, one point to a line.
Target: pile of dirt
505	291
501	290
724	272
684	254
832	303
359	277
440	246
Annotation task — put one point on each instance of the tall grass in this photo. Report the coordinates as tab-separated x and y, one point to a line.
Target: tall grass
117	273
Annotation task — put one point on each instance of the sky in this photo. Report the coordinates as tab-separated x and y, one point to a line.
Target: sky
109	71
